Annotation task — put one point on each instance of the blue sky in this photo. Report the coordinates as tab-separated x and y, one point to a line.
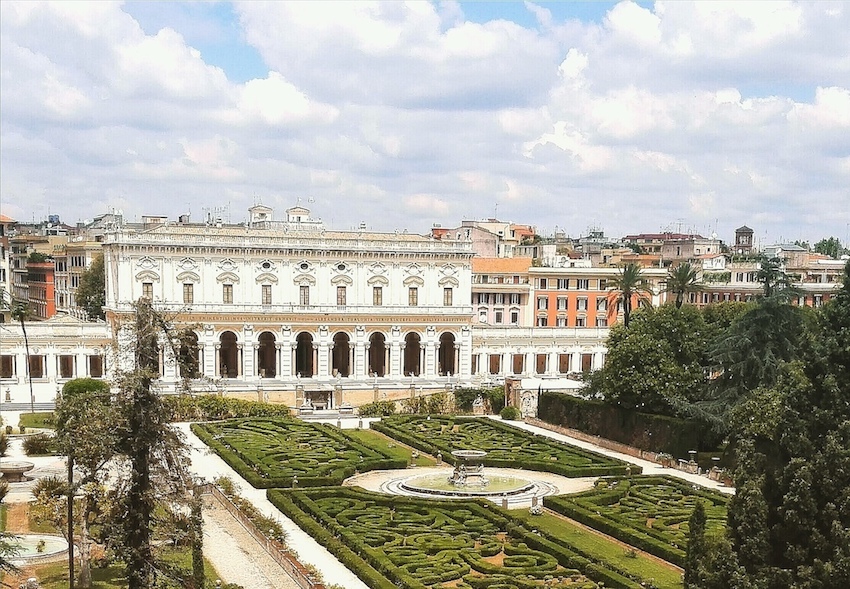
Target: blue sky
627	116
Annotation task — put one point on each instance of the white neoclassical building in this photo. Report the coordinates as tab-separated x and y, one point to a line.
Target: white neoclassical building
288	310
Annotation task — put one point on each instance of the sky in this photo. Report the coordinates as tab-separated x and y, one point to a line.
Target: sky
625	117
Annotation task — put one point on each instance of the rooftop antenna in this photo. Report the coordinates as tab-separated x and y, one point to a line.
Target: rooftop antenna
496	210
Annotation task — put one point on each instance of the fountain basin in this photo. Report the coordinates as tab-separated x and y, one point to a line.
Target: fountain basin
28	548
440	485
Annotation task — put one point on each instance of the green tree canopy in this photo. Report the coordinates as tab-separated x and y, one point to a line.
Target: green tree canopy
658	364
789	522
830	246
91	292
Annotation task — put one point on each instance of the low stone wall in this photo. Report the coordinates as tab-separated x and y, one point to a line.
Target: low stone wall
275	549
599	441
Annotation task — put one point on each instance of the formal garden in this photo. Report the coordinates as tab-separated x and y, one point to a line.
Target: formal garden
648	512
272	453
506	446
394	541
629	531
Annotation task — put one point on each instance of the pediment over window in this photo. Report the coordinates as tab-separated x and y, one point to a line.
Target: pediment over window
304	280
449	281
228	277
266	278
378	281
340	280
414	281
188	277
147	276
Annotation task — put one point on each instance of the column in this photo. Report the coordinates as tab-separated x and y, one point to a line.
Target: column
530	364
217	360
552	362
575	360
278	360
240	360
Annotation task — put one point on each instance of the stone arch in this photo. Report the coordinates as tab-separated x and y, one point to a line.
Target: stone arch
446	354
228	355
341	355
267	355
189	361
378	354
304	355
412	354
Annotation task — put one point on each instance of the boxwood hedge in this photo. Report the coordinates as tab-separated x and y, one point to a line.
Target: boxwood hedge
393	541
506	446
648	512
275	452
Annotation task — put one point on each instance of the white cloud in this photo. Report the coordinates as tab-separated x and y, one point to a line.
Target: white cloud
404	114
275	101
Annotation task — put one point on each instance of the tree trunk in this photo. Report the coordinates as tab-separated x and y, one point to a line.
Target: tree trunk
29	374
197	523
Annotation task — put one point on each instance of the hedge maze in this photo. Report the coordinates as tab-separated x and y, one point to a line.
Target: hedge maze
392	541
650	513
506	446
273	452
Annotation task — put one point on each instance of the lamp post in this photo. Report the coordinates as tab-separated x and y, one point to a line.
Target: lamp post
70	515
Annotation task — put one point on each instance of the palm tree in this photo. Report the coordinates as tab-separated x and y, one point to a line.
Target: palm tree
681	280
631	283
20	312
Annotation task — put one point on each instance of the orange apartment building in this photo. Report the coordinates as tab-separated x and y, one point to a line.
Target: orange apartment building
583	296
41	284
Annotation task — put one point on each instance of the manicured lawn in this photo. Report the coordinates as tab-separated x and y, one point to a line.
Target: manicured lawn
392	541
390	447
273	452
43	419
506	446
600	548
650	513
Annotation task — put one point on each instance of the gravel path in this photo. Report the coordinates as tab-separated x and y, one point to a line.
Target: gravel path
237	556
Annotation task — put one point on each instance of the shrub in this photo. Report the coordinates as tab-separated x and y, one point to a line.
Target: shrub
377	409
40	445
4	443
510	413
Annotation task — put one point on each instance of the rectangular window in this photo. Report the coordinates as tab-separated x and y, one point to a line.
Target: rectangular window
147	290
601	304
304	295
267	294
563	283
601	322
340	296
96	366
514	317
447	297
7	366
500	298
581	304
540	364
518	361
603	284
36	366
818	302
705	298
377	296
413	296
562	303
542	321
542	303
495	363
563	363
188	293
581	321
66	366
515	298
500	315
543	283
227	294
561	322
583	284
